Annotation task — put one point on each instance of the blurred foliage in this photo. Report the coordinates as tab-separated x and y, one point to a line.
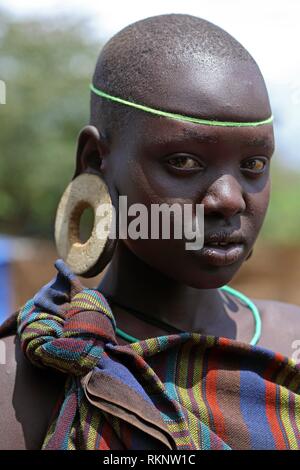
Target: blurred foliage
282	224
47	68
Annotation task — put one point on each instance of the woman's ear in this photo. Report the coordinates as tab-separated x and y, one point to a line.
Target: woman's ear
91	149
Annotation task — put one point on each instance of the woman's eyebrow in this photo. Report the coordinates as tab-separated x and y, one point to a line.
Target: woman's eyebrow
261	141
204	137
188	134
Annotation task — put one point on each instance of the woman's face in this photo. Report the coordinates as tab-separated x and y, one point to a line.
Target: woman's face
158	160
225	169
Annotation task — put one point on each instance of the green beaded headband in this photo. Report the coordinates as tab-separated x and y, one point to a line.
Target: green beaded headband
179	117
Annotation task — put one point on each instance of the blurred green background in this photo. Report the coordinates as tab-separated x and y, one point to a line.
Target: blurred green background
47	66
47	70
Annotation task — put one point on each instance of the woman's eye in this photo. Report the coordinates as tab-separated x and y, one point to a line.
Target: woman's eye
255	165
184	162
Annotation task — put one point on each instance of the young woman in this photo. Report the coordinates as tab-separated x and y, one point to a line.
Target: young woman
161	355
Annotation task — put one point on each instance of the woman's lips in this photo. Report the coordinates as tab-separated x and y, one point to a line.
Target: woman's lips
221	254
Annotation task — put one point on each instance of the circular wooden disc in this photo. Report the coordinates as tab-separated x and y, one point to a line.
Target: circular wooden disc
89	258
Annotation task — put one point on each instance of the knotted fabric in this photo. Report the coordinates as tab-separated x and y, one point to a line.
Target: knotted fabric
181	391
67	327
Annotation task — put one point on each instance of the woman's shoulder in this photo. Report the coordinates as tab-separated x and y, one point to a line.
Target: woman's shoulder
280	326
275	310
13	436
28	395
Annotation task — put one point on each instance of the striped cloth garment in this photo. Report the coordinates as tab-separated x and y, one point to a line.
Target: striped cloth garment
184	391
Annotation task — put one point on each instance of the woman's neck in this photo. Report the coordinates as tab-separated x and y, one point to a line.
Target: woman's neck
132	283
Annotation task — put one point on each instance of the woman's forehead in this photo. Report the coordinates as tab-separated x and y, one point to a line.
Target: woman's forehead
162	131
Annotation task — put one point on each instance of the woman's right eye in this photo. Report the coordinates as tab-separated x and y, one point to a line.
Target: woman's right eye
184	162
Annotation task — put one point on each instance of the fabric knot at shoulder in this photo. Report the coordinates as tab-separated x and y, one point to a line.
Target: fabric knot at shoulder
66	325
71	328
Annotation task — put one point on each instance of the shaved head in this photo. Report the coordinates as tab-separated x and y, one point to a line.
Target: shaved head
178	63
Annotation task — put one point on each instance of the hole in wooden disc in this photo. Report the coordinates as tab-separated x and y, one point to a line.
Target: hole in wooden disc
86	224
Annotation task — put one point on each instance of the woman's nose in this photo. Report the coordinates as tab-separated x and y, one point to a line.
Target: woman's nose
224	197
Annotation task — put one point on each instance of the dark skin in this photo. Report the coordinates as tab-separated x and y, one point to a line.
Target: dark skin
228	173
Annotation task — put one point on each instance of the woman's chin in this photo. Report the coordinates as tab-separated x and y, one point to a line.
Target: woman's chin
210	277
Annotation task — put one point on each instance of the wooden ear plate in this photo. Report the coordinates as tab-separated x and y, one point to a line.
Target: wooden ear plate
90	258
